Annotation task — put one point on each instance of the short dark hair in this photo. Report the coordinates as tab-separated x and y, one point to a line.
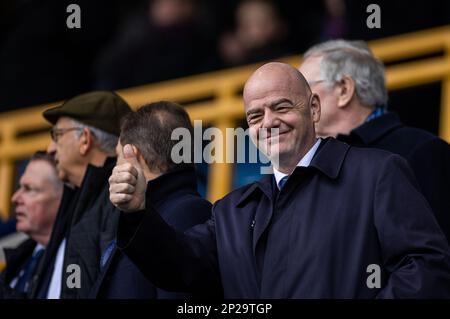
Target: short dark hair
150	130
44	156
50	159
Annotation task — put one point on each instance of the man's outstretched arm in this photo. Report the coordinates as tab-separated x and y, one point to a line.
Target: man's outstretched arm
169	259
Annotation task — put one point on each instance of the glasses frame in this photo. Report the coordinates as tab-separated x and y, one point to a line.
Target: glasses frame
56	133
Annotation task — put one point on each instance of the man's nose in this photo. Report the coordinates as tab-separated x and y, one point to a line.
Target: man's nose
270	120
16	196
51	149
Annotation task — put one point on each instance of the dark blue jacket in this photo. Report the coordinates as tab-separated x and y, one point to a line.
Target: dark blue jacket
180	205
318	237
427	154
7	227
15	261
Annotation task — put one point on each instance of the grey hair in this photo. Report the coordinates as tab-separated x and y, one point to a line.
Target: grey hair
105	141
342	58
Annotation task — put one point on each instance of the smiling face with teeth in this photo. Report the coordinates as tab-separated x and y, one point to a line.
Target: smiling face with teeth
277	97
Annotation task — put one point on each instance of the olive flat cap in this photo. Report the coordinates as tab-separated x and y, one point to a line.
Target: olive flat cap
101	109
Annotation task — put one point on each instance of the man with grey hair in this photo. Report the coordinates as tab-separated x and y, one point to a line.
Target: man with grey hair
350	82
84	135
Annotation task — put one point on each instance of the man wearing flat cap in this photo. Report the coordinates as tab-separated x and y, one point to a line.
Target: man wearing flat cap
84	136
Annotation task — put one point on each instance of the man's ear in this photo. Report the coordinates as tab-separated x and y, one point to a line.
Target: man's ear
85	141
346	91
139	157
315	107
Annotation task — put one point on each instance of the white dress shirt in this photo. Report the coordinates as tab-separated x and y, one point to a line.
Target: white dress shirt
305	161
54	289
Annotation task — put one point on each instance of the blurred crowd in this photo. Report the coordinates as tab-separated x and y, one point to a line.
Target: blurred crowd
123	44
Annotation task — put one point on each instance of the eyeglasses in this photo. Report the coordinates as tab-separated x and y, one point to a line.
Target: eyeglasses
56	133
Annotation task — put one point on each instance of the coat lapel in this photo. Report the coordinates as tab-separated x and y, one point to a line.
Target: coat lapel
264	210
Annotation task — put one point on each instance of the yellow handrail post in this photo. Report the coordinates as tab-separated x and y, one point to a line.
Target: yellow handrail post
220	175
444	122
444	118
6	176
6	172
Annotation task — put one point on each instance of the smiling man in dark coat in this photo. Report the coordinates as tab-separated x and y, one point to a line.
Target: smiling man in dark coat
333	221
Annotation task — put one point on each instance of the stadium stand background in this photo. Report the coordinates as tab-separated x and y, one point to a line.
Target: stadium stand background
42	61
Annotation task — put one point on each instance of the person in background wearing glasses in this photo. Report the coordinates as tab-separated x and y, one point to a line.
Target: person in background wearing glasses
36	204
84	136
350	82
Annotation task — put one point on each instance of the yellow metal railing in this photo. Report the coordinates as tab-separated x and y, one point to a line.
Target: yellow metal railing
221	103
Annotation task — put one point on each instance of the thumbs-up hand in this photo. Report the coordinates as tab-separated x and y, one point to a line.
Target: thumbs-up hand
127	184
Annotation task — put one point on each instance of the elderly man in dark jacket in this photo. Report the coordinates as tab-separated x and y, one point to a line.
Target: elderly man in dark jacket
149	130
350	82
84	136
333	221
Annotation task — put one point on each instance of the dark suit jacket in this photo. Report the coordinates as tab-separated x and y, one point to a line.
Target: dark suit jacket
349	210
7	227
15	261
428	156
180	205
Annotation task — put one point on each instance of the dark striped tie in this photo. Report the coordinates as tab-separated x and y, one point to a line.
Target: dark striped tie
282	182
23	283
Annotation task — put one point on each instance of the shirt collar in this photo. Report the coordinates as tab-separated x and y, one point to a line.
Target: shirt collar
376	113
38	248
304	162
328	160
169	184
373	130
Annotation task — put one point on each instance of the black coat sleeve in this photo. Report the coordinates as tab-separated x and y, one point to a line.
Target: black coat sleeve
170	259
414	249
431	164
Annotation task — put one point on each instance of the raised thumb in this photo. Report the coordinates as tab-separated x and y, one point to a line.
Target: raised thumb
130	155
